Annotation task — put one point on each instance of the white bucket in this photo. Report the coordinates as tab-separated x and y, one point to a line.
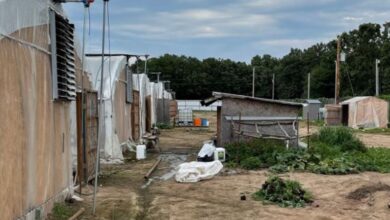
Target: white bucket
141	152
220	154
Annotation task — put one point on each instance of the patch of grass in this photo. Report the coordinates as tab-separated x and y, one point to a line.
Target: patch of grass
164	126
61	212
318	123
285	193
375	159
385	131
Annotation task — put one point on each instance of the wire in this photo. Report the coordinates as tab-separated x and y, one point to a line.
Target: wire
89	21
350	83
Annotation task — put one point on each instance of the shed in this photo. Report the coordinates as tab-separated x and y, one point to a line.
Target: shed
365	112
311	109
243	117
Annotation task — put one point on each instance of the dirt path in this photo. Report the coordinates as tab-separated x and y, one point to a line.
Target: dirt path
375	140
219	198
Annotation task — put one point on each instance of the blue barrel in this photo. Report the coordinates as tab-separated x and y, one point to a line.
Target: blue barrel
205	122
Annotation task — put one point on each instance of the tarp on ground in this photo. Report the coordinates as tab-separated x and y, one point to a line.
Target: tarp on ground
367	112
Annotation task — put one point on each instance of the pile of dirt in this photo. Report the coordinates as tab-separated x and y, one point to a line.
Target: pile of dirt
365	191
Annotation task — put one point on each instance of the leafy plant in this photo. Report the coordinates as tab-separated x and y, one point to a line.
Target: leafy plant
335	166
61	211
251	163
279	168
285	193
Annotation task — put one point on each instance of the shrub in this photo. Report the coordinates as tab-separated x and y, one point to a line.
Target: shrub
285	193
339	137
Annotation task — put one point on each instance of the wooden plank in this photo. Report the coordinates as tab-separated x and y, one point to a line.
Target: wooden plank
148	113
135	116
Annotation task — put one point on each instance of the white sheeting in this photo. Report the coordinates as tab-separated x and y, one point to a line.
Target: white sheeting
111	151
141	83
195	171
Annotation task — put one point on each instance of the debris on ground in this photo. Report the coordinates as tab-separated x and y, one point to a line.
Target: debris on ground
285	193
365	191
195	171
206	153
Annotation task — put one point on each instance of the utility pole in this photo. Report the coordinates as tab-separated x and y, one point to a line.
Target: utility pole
253	81
337	81
308	86
377	62
101	110
273	86
146	63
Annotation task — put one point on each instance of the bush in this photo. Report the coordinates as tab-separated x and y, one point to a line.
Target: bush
251	163
285	193
339	137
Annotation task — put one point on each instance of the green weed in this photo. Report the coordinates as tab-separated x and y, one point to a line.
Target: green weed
285	193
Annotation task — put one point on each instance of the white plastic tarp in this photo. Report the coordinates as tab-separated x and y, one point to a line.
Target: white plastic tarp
141	83
111	151
196	171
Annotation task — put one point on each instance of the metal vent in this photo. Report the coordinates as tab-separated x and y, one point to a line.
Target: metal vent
62	57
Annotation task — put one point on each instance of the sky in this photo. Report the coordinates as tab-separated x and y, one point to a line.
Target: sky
227	29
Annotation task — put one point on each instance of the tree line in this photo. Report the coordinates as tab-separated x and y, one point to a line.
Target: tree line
192	78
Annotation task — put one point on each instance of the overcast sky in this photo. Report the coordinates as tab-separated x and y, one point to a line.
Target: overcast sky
235	29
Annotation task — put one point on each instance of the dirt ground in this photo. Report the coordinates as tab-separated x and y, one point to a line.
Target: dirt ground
124	194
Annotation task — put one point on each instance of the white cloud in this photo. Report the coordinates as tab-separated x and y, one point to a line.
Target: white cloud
292	43
198	23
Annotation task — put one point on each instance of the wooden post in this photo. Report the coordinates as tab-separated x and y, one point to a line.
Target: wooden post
308	130
337	86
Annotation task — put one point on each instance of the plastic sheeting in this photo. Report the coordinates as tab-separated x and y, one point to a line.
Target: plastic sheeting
366	112
36	133
195	171
141	83
111	151
17	15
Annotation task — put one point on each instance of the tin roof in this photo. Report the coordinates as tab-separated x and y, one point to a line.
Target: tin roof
219	95
312	101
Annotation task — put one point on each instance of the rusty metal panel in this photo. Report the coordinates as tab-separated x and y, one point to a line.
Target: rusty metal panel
86	147
135	120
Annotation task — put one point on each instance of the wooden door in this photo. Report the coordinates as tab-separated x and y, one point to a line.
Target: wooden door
87	143
135	120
